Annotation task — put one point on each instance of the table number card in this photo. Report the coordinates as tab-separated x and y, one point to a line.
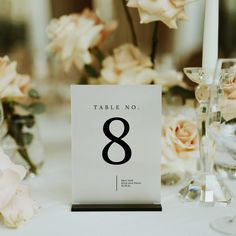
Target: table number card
116	147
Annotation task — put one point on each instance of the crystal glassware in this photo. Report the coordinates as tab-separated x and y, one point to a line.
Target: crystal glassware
225	225
204	187
223	105
222	129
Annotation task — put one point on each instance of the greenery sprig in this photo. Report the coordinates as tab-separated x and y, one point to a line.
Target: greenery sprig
17	124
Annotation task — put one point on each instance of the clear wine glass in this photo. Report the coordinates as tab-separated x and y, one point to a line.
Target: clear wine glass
222	129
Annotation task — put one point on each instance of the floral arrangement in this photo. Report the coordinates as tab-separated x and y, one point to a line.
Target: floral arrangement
20	105
16	204
77	41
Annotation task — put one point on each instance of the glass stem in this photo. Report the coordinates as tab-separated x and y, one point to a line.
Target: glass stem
205	145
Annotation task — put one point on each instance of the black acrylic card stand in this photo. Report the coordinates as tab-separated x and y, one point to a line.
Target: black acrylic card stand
116	207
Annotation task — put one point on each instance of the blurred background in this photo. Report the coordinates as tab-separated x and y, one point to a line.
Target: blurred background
23	36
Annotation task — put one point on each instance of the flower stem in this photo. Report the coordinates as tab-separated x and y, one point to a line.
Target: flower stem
98	53
23	152
154	43
15	125
131	24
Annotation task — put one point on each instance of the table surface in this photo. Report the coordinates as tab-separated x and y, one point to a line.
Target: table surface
52	189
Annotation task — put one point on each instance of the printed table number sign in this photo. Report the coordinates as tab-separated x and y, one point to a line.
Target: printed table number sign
116	139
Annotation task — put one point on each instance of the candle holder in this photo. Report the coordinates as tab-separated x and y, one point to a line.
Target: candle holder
204	187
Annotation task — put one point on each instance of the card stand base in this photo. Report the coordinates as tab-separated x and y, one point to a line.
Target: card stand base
116	207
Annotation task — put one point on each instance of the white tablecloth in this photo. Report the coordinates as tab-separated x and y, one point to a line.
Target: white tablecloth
52	189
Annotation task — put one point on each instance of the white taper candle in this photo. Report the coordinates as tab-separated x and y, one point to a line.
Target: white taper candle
210	39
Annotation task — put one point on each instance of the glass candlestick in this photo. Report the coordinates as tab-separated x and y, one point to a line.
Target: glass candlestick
204	187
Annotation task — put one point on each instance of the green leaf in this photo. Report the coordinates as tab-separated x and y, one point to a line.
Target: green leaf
24	153
34	94
15	129
26	138
91	71
8	107
29	121
36	108
99	54
231	122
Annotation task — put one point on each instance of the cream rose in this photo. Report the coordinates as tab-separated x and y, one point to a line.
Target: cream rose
127	65
16	205
179	145
73	35
182	133
12	84
10	177
167	11
176	162
20	209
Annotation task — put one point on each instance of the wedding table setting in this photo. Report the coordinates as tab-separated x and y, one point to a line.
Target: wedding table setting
106	135
53	190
